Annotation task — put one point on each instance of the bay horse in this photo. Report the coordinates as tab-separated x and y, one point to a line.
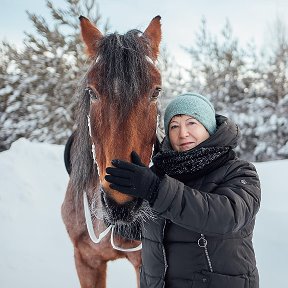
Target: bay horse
117	113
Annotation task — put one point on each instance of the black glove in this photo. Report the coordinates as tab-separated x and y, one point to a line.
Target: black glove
133	178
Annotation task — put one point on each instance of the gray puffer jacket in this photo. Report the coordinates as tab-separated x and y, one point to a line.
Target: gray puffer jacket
219	206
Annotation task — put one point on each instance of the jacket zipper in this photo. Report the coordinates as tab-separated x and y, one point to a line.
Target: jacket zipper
164	253
202	242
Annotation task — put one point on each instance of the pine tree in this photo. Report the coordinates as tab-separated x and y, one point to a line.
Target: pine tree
219	66
273	131
173	79
47	70
9	95
276	70
249	91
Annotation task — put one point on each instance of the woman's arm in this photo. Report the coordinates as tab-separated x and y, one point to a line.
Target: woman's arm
232	205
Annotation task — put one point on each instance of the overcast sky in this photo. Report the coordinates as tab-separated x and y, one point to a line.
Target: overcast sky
180	18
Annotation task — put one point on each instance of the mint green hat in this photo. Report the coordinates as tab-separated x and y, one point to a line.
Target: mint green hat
195	105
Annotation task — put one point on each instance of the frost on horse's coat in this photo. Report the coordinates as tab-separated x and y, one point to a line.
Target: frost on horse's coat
119	97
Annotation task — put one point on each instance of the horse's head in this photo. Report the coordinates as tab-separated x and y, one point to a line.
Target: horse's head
120	98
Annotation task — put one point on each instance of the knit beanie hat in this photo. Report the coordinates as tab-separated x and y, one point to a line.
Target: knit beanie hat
192	104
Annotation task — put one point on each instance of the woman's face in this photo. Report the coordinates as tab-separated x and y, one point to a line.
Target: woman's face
185	133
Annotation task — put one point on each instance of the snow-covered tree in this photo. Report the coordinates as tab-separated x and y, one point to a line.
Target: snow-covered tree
173	79
219	66
276	70
249	89
44	75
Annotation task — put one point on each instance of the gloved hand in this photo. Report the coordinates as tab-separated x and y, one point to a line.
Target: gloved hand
133	178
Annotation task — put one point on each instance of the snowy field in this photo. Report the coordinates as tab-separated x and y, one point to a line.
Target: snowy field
35	250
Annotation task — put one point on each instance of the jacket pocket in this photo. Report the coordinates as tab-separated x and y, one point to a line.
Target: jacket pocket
225	281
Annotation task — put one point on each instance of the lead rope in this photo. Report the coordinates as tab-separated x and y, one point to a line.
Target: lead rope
202	242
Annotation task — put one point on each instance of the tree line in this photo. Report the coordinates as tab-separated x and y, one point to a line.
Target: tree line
38	82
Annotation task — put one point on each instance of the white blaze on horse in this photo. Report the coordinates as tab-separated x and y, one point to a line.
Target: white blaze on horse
117	113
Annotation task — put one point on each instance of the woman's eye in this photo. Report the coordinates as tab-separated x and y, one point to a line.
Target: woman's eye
156	93
191	122
173	127
89	92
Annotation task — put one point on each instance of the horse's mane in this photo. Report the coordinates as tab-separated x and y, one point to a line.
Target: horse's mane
122	76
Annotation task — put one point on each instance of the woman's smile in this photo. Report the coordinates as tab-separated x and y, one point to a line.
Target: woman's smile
187	146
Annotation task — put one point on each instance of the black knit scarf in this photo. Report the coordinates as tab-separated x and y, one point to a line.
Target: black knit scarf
194	162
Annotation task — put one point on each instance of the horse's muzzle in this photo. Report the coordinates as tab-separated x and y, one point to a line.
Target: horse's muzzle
123	216
120	213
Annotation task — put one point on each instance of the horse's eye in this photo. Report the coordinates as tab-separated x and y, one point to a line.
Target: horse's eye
89	92
156	93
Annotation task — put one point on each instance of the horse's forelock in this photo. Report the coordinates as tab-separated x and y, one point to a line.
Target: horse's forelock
123	71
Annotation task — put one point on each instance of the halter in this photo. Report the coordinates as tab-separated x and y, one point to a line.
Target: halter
88	218
91	232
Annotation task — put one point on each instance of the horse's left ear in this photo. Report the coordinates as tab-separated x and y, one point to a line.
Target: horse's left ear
90	35
153	33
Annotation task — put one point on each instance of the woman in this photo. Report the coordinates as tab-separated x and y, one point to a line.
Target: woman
205	197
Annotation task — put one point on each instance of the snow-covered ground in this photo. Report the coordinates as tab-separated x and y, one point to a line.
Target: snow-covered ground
35	250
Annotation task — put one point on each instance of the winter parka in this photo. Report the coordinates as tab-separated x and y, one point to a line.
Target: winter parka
202	235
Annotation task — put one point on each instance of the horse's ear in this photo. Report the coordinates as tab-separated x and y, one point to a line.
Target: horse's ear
153	33
90	35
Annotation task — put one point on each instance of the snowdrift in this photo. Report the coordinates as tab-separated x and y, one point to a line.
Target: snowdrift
34	246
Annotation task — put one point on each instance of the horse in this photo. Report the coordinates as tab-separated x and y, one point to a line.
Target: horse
117	114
